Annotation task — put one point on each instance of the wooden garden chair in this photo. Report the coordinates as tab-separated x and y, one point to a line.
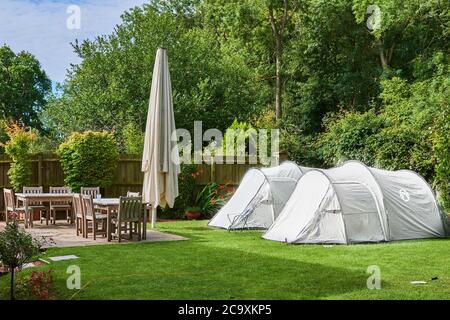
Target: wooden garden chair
94	191
79	215
34	206
95	218
130	212
133	194
60	205
10	206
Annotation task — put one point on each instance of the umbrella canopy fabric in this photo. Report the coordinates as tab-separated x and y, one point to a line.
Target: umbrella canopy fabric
160	160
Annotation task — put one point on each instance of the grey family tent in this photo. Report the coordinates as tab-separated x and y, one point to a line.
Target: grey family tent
354	203
261	196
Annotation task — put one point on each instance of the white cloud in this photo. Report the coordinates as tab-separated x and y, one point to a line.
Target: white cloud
40	27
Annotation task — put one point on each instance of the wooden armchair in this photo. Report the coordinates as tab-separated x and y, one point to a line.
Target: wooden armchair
44	210
92	216
10	207
130	212
60	205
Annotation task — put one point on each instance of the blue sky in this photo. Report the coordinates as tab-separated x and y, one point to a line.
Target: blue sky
40	27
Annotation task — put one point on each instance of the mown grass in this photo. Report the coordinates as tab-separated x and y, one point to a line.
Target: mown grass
217	264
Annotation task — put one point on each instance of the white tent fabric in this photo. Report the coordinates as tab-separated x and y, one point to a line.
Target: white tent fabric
159	161
354	203
260	197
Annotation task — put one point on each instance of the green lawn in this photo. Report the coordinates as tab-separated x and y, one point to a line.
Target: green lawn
216	264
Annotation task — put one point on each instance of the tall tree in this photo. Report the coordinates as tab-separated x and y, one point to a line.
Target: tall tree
279	19
23	87
329	65
110	87
264	28
404	29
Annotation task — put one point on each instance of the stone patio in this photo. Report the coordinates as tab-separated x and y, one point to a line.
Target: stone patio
64	235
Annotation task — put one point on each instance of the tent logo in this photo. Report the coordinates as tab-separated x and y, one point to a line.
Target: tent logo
404	195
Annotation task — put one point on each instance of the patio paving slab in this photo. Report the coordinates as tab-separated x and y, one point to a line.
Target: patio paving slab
64	235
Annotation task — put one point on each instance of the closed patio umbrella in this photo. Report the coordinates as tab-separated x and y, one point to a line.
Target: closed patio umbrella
160	162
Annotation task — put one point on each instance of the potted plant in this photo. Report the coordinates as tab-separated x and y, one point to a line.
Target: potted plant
208	202
193	213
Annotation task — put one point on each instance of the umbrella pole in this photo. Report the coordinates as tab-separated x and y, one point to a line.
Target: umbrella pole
153	217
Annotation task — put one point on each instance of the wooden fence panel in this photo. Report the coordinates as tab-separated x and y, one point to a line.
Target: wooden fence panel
128	177
230	174
47	171
4	167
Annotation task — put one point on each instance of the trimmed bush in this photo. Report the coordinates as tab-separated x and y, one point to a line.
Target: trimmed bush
89	159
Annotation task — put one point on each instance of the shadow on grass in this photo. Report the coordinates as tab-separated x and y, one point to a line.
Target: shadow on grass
191	271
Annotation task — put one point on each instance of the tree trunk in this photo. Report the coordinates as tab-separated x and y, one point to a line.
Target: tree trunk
383	59
278	29
11	290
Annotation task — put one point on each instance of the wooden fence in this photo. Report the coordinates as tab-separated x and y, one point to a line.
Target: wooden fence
47	171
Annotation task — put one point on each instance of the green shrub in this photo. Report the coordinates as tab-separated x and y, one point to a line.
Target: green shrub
412	132
410	112
405	147
43	144
442	151
242	132
211	199
3	135
18	148
89	159
133	139
16	248
351	136
265	120
299	147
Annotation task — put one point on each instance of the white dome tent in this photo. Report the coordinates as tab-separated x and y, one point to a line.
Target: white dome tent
260	197
354	203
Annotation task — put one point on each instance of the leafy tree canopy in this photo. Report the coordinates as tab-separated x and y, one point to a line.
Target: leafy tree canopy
110	88
24	87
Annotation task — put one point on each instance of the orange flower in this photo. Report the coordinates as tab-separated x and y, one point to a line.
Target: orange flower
231	190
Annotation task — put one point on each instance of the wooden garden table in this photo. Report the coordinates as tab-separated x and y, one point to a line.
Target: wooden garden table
27	198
